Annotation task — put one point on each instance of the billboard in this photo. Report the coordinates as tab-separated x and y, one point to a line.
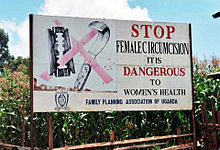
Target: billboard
87	64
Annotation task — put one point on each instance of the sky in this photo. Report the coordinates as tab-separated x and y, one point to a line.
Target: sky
205	29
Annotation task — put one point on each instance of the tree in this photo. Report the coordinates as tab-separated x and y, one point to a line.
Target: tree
14	64
4	52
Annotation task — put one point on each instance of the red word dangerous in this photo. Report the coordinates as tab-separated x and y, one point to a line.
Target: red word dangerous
153	71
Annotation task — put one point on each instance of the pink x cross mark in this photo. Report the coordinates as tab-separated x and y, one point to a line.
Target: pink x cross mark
78	46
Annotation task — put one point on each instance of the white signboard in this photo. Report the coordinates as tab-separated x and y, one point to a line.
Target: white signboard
86	64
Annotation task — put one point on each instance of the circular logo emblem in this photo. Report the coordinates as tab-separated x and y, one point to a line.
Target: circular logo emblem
62	100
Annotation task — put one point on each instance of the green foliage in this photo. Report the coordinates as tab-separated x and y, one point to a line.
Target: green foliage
205	89
4	52
15	63
74	128
11	96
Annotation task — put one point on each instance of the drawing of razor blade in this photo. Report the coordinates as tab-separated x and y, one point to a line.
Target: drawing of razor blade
59	44
99	44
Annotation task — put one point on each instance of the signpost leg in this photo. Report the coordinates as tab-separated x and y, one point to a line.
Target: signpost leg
193	106
50	132
32	128
218	116
194	129
112	139
31	80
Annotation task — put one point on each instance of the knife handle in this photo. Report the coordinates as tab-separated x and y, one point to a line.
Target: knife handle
82	76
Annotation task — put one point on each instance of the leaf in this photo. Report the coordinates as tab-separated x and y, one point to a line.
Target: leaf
180	117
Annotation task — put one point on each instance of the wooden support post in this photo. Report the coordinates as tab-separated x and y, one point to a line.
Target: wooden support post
23	121
112	136
194	129
120	118
206	131
193	107
218	116
31	81
204	122
178	131
50	132
215	140
112	139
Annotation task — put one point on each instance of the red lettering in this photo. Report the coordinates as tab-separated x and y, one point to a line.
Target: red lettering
151	72
169	71
141	70
134	72
163	71
170	29
156	32
176	71
126	71
135	30
146	30
156	71
182	72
